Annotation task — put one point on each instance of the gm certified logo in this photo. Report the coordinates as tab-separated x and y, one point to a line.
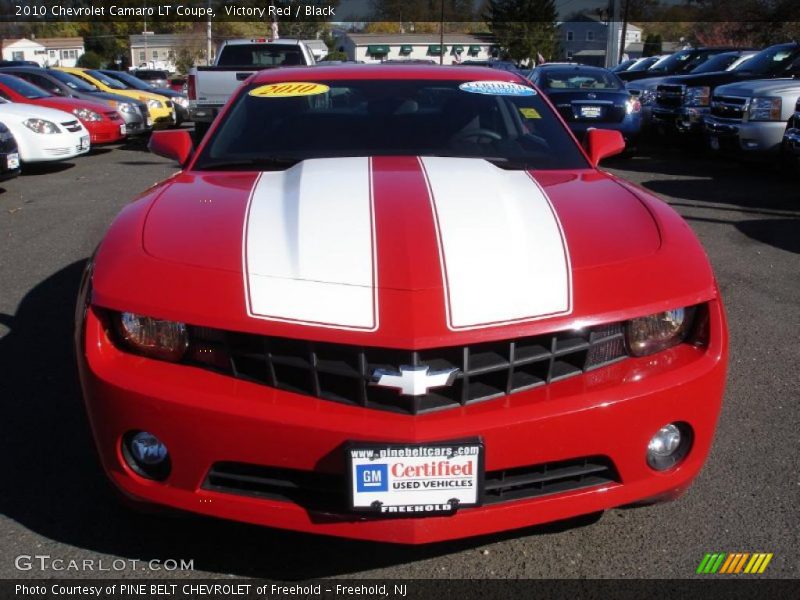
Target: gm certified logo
372	478
413	381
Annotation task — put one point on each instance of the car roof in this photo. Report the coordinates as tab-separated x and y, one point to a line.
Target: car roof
396	71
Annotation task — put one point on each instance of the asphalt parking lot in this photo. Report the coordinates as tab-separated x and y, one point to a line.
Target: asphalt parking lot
53	499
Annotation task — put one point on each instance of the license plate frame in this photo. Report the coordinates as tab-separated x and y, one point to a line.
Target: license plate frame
386	500
590	111
12	161
123	129
85	143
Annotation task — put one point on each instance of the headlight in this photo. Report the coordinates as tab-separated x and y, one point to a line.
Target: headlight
646	335
154	104
84	114
181	101
632	105
126	107
697	96
156	338
765	109
41	126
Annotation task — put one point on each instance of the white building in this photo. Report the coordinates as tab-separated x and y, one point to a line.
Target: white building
378	47
46	52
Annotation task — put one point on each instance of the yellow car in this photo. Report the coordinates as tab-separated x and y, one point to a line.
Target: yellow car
161	109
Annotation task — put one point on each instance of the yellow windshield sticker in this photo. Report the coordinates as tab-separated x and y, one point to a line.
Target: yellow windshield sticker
289	89
530	113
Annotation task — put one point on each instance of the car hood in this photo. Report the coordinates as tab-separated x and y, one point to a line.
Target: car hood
316	242
22	111
712	79
760	87
649	83
70	104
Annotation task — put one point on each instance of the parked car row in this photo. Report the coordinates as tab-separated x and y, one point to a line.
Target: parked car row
50	114
733	100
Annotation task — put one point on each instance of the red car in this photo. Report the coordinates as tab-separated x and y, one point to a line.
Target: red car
104	125
398	292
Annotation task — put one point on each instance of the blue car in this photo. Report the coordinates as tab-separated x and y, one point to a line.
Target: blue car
589	97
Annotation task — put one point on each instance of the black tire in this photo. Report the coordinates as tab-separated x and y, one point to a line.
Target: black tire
200	130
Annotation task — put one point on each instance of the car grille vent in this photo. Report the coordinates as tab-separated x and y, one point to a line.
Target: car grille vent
343	373
72	126
670	96
728	107
328	491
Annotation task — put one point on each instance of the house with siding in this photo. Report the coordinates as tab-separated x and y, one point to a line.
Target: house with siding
583	39
46	52
378	47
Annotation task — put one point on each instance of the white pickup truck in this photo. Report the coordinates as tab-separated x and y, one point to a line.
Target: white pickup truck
211	87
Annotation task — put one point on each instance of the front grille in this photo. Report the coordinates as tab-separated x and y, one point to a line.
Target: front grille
328	491
343	373
669	96
728	107
72	126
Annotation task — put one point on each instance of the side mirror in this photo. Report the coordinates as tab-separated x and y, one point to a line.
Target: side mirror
602	143
174	143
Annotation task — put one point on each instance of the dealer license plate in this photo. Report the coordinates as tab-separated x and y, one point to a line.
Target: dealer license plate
149	122
84	142
12	161
713	141
123	130
415	479
591	112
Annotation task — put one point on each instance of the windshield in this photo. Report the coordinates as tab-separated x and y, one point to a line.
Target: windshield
673	62
771	61
644	63
75	83
720	62
264	129
130	80
106	80
577	78
260	55
23	88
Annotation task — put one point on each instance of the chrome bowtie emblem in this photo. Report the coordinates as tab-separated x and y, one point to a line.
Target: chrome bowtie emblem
413	381
591	95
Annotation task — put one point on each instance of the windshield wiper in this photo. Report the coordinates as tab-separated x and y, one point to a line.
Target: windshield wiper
273	163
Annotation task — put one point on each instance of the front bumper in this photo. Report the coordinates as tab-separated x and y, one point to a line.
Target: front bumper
106	132
683	120
744	137
205	418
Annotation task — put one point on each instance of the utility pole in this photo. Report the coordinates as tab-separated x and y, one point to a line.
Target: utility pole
612	29
441	33
624	33
208	35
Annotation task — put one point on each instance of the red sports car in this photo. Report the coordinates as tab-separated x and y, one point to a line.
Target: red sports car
105	125
398	304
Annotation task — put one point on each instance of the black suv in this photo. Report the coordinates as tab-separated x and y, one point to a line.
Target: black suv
682	103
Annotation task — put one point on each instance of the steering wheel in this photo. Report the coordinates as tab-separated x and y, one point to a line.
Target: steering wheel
477	133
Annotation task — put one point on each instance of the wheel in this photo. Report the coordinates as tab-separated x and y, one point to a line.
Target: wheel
200	130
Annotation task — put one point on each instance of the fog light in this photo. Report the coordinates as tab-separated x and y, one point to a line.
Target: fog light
668	446
146	455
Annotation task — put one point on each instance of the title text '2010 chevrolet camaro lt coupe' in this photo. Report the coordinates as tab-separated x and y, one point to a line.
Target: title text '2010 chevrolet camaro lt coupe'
398	304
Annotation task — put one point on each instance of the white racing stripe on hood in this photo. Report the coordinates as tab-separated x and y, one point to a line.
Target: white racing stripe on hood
503	254
309	245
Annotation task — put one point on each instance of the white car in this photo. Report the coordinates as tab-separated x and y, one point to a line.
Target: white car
44	134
